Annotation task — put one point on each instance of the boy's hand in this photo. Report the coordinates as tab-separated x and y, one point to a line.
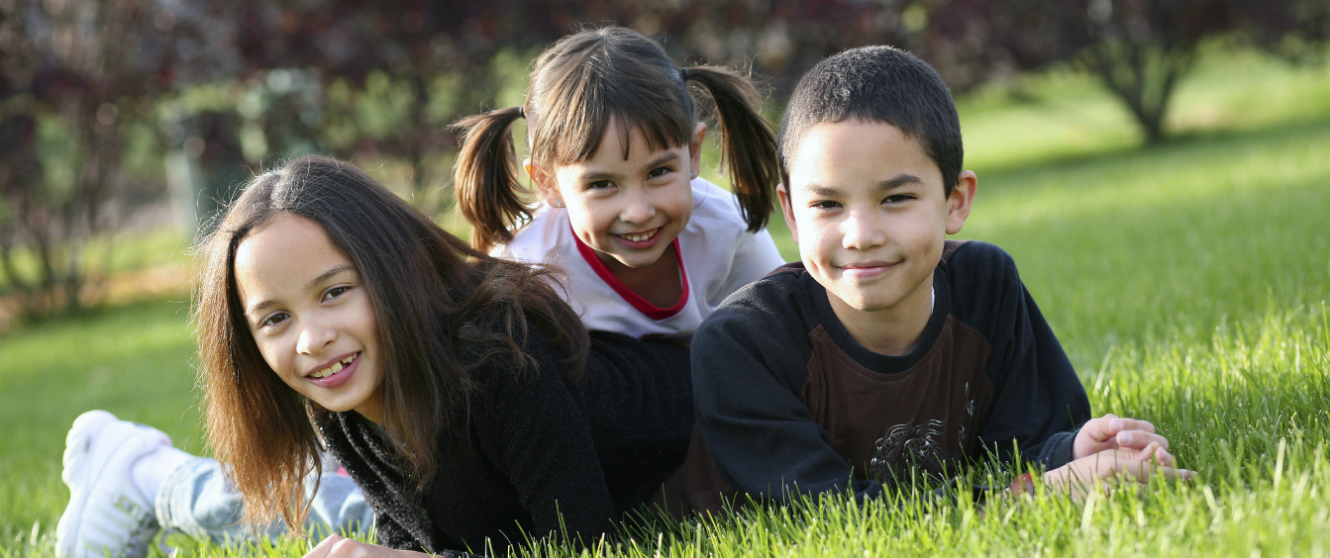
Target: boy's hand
1111	432
340	547
1128	465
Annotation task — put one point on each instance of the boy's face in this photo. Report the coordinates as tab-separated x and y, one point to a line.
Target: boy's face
870	213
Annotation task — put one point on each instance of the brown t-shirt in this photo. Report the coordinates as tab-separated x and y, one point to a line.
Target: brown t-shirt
787	401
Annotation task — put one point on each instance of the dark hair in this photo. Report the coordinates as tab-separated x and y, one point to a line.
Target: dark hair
877	84
432	296
578	84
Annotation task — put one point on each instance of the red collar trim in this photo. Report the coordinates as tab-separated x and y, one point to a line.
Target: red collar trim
650	310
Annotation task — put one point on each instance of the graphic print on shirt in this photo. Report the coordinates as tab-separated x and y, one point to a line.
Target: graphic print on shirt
918	446
918	417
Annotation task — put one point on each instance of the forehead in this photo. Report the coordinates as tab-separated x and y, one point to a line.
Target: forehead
856	152
623	146
280	258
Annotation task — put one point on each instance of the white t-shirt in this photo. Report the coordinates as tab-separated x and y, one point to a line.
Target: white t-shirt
717	256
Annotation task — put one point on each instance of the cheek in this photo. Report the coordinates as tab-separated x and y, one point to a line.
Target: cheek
590	219
272	354
681	206
814	236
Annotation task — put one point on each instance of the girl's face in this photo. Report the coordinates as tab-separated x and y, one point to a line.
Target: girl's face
309	312
627	210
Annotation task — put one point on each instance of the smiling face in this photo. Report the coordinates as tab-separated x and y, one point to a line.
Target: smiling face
869	211
630	209
311	315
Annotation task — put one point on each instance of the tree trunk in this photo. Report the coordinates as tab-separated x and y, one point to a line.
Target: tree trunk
1143	76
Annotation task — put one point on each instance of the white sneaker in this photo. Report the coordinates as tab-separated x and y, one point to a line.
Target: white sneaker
107	514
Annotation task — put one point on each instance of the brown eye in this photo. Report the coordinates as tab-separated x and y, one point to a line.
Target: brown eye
274	319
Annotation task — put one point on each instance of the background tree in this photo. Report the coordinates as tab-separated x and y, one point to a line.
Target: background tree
77	75
1138	49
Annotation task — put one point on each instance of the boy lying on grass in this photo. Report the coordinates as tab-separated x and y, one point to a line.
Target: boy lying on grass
888	347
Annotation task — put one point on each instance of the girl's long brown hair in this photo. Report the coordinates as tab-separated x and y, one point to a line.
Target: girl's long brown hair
577	86
432	294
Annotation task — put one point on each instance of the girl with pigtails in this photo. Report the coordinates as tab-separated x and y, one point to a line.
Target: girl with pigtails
471	402
647	247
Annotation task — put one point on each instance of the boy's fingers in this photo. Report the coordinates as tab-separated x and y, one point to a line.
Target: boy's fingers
1099	430
1163	457
1128	424
1137	439
1142	470
325	546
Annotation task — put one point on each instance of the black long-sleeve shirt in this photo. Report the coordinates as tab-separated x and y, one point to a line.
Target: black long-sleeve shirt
537	447
785	396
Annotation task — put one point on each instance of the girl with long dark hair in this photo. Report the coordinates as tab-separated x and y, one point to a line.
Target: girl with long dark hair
459	391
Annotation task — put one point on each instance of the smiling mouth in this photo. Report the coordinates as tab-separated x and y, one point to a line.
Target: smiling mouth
868	265
640	237
335	368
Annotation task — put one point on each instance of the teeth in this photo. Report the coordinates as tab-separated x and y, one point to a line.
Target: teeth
335	368
638	237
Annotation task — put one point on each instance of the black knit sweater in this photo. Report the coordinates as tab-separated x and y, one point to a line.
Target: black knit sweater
538	447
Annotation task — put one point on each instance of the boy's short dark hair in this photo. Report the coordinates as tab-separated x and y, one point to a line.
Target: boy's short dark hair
877	84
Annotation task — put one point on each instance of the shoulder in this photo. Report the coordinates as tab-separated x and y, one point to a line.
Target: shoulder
780	292
972	256
986	291
715	210
536	239
976	266
778	301
492	356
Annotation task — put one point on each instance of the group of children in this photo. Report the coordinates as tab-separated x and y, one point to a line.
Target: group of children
633	339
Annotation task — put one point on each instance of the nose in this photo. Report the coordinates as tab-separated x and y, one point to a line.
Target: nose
863	231
315	336
639	207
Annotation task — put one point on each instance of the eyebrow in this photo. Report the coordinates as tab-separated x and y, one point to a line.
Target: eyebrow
332	272
602	175
898	181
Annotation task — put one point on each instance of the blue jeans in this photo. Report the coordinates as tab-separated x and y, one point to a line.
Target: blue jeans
196	499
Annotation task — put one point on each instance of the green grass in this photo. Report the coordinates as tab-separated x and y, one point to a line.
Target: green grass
1188	282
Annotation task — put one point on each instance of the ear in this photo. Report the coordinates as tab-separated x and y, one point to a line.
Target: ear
958	205
786	208
547	184
695	148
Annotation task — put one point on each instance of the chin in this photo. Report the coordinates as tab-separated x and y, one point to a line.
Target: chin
640	259
865	302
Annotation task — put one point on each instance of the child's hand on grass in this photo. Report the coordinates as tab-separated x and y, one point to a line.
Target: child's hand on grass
1111	448
1094	472
1113	432
340	547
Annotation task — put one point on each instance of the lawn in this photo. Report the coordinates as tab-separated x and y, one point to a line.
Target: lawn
1187	281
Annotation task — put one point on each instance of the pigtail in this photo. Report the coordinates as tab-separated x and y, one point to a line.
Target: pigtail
749	146
485	177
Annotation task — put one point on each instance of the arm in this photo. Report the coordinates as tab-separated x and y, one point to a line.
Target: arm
749	367
1039	402
533	432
